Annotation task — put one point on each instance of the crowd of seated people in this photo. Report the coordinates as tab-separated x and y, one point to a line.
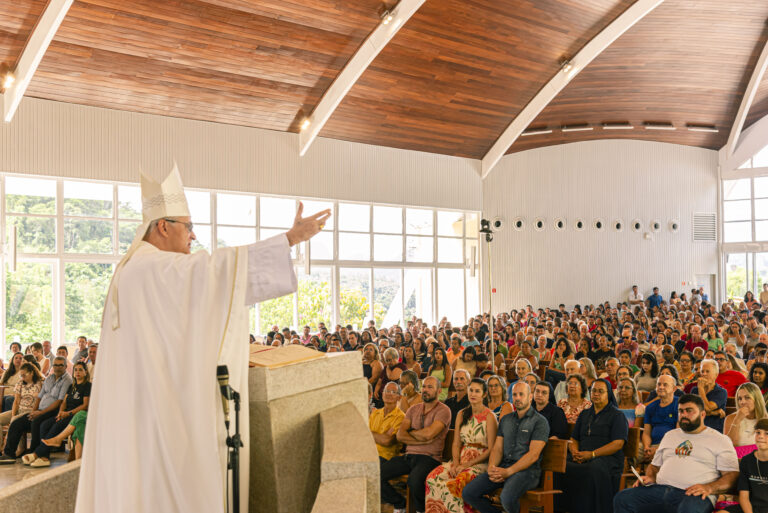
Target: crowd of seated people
691	378
48	404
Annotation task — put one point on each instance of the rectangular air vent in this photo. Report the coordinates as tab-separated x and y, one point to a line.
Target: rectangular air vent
704	227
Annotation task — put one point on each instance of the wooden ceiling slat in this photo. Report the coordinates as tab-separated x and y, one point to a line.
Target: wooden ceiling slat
450	82
686	62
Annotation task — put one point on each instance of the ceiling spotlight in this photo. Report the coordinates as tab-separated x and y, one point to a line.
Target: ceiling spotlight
566	66
703	128
617	126
577	128
305	124
387	17
8	80
659	126
537	131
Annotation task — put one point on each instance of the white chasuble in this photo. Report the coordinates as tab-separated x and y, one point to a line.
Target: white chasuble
155	436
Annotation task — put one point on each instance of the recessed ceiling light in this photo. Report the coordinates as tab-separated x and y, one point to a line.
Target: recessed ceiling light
617	126
8	80
537	131
305	124
703	128
659	126
577	128
387	17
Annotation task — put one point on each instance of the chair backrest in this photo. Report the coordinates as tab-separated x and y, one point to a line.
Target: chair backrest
448	447
730	401
554	455
644	395
633	442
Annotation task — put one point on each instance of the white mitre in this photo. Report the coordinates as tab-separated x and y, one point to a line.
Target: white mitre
158	200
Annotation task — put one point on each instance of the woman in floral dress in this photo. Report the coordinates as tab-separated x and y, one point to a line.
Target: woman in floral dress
476	426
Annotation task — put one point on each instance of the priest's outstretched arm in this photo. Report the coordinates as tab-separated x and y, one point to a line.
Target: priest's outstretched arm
270	269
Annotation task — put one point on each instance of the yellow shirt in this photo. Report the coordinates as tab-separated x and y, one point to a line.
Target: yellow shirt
378	423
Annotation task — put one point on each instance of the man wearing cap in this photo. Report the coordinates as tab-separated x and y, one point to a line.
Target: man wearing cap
155	431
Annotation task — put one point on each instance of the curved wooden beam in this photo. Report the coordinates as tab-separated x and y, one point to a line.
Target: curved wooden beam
33	52
371	47
551	89
746	100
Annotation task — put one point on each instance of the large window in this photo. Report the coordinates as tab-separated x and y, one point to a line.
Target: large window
382	262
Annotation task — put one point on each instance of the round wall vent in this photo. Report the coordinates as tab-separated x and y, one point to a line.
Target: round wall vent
618	225
518	224
559	224
539	224
599	224
578	224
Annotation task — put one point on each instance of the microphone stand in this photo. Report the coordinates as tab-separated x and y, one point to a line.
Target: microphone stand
234	443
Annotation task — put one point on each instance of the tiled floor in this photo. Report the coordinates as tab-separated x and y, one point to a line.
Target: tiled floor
10	474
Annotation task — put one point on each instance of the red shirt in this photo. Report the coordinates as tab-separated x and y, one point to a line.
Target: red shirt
691	345
730	381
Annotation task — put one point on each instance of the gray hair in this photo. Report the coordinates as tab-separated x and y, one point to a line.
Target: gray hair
465	371
392	353
395	385
412	378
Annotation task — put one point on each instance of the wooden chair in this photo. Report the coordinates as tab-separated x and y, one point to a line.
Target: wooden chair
542	370
644	396
630	452
553	460
730	402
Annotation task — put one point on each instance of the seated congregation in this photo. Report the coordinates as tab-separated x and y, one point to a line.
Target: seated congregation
45	402
558	408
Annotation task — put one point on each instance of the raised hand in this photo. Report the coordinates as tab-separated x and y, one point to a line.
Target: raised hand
304	228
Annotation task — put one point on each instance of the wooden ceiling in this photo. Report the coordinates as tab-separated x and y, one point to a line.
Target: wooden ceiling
449	82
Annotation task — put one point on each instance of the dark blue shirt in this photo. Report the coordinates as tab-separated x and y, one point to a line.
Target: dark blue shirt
661	419
654	300
518	434
719	396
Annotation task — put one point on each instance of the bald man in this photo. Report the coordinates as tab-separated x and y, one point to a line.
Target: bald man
514	462
660	415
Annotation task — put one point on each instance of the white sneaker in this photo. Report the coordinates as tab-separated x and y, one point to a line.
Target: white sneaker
399	510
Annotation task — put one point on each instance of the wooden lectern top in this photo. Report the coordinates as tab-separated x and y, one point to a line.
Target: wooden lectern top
271	357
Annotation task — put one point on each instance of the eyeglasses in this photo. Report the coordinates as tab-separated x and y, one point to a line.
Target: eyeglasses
59	365
190	226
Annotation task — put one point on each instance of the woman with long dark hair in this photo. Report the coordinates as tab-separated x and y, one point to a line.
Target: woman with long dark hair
475	435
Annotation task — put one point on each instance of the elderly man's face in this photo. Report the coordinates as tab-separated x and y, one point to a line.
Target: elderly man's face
92	353
460	381
46	346
178	234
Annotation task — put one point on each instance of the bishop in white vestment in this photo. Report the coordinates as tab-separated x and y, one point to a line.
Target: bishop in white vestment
155	436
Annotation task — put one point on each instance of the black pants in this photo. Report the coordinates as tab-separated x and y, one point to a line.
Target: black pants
7	403
417	467
22	425
48	429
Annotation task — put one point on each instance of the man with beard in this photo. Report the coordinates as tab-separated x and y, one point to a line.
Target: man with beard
514	462
423	430
693	464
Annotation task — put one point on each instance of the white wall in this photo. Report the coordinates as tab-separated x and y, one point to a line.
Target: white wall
74	141
611	180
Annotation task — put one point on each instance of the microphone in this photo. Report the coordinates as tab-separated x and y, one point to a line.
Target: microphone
222	375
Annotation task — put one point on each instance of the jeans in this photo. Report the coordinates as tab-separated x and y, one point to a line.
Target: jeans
20	426
48	429
659	499
513	488
418	467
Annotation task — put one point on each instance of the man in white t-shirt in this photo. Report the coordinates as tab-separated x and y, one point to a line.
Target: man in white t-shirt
635	297
693	464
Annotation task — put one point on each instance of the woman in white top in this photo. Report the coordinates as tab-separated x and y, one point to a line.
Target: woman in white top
740	426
